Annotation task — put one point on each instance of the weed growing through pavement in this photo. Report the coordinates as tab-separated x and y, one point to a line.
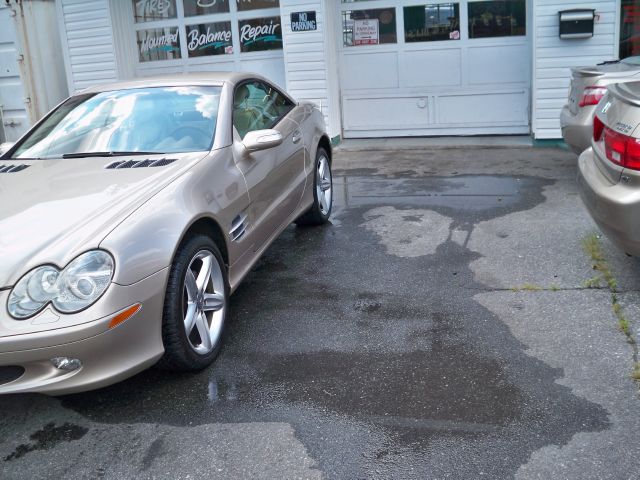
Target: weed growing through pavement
593	248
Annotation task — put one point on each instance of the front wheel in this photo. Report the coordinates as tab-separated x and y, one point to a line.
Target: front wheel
320	211
195	306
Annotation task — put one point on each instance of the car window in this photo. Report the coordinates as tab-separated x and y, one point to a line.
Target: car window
153	120
635	60
257	105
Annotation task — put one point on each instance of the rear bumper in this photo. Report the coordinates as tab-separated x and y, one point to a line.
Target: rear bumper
613	206
108	355
577	129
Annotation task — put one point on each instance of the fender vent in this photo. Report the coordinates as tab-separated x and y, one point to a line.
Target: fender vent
12	168
238	227
140	163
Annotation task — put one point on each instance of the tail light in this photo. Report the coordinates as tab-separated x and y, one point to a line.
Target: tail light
592	95
618	148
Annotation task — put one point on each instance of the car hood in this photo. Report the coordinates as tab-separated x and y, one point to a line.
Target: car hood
55	209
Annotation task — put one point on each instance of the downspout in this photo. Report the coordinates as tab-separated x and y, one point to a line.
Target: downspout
24	60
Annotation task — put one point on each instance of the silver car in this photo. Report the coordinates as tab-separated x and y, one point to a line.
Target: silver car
609	171
131	212
588	86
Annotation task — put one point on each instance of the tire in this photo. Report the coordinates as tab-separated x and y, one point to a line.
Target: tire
320	211
203	301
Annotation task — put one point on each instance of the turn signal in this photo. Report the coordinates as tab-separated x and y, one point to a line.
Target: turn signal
125	315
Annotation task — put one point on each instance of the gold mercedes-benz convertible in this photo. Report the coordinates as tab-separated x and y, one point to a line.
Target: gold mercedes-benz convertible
131	212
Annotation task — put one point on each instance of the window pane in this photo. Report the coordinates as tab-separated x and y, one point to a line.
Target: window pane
497	18
369	27
205	7
255	4
629	28
260	34
209	39
158	44
150	10
257	106
427	23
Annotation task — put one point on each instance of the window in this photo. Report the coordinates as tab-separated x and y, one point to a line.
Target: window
426	23
629	28
153	10
209	39
258	34
257	106
205	7
497	18
158	44
369	27
255	4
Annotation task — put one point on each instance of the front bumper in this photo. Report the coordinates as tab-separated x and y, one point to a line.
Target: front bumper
577	129
613	206
108	355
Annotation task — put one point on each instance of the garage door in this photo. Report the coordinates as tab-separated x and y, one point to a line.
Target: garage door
457	68
172	36
13	116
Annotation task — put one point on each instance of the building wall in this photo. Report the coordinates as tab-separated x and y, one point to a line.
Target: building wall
87	42
553	57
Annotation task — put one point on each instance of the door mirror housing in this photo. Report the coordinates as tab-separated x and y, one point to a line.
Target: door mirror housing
4	147
261	140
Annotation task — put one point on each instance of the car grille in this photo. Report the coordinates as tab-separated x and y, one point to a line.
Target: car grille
9	374
12	168
140	163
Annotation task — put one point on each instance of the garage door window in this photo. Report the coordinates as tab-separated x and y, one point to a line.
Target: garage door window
497	18
205	7
369	27
158	44
427	23
244	5
154	10
258	34
209	39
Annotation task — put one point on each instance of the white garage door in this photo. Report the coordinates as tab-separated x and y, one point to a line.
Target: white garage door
425	68
171	36
13	116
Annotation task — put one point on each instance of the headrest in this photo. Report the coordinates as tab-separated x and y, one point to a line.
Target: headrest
242	93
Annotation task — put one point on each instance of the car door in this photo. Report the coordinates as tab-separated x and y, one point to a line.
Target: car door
275	177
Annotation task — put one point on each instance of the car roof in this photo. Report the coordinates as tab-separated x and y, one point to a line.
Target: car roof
176	80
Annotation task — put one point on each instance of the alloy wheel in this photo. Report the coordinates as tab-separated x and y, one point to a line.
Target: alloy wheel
324	185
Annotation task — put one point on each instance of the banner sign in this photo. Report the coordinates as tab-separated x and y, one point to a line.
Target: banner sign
209	39
259	34
303	21
158	44
366	32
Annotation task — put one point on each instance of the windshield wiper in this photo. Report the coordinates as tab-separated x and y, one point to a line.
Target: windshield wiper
108	154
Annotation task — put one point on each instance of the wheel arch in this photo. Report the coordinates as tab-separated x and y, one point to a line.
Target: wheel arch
211	228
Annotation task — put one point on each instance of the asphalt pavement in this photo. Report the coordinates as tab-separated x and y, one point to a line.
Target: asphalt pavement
439	327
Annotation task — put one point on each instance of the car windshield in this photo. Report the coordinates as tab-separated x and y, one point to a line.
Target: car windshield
142	120
632	60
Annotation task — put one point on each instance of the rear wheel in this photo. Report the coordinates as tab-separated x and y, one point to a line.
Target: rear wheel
195	306
320	211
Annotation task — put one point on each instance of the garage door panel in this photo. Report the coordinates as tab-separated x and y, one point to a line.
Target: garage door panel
495	108
385	113
370	70
432	68
498	64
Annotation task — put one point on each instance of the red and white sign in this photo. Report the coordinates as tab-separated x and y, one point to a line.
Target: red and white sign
366	32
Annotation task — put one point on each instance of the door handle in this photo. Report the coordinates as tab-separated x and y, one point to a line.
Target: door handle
297	136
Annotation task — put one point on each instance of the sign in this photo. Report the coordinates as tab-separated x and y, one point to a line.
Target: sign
303	21
366	32
209	39
193	8
151	10
158	44
260	34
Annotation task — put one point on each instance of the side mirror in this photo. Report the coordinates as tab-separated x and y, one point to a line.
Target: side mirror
4	147
261	140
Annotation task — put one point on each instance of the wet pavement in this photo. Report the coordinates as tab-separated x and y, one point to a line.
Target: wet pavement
395	342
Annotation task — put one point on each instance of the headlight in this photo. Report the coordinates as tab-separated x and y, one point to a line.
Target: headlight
75	288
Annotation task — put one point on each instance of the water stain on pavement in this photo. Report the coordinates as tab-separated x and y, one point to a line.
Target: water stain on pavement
48	437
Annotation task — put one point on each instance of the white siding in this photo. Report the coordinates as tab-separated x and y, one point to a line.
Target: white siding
87	42
13	113
310	59
554	57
